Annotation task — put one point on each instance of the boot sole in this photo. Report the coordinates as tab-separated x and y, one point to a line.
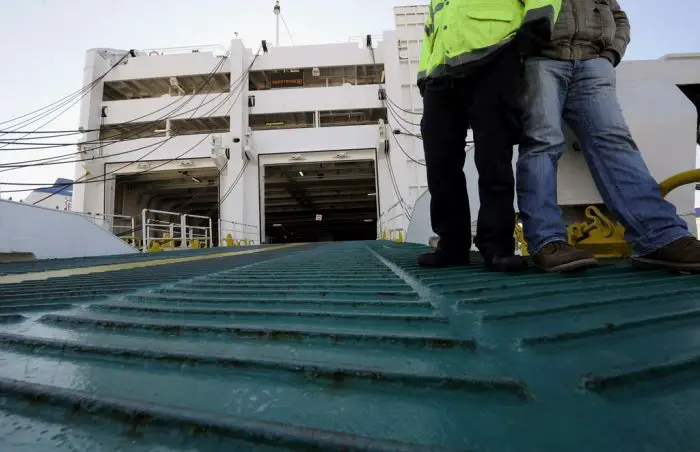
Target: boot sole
651	264
573	267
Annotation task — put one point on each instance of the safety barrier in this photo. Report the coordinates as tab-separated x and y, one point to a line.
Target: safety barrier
602	236
161	235
197	236
240	234
124	227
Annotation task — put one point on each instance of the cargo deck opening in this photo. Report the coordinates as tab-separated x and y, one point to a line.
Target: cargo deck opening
191	191
324	201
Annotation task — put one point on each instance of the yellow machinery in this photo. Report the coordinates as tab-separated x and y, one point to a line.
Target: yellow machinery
229	241
602	236
167	243
393	235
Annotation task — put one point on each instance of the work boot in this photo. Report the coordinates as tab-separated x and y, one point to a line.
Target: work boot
445	256
681	255
505	264
560	257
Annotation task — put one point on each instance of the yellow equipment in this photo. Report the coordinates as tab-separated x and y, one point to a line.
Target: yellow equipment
393	235
602	236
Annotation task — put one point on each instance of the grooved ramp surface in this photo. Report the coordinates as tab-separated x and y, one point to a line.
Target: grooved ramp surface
349	346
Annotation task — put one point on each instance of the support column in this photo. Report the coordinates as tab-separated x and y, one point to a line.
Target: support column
90	197
232	213
397	159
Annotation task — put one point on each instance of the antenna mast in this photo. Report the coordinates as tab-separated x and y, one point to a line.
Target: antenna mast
276	10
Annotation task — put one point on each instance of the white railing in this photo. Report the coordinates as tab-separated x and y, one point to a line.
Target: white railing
124	227
241	233
177	231
165	233
199	233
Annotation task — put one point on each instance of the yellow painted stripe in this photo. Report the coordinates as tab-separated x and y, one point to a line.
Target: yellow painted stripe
37	276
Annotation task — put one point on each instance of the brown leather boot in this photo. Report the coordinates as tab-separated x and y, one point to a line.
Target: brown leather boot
681	255
563	258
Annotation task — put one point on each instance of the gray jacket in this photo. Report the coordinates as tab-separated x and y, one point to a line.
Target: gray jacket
589	29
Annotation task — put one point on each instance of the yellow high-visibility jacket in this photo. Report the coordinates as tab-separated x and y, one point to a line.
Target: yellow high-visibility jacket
459	32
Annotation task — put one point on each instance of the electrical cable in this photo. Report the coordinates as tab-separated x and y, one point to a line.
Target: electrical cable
198	193
284	22
403	109
241	80
40	132
233	185
44	162
239	176
147	124
172	103
404	205
239	85
69	96
245	165
244	76
400	118
84	90
403	150
221	200
50	160
243	168
42	135
157	145
404	130
397	191
218	175
100	177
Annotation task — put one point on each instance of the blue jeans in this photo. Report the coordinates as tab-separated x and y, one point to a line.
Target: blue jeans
582	93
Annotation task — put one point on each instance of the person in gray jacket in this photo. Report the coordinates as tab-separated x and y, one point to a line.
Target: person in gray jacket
572	78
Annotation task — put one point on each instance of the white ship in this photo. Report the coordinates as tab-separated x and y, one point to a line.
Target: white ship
260	143
338	346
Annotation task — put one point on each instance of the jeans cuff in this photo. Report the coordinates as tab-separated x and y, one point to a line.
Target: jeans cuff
655	245
536	249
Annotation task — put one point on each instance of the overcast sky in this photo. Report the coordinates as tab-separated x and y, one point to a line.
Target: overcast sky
44	42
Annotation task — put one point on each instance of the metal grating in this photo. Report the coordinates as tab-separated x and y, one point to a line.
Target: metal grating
350	346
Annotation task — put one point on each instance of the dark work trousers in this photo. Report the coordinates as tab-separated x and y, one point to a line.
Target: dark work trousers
485	99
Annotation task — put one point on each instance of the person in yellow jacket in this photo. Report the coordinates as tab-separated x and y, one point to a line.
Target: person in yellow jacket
469	73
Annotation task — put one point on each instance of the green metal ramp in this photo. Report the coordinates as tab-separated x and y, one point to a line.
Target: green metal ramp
344	346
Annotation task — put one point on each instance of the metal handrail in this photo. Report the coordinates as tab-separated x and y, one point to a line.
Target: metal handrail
208	230
148	227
